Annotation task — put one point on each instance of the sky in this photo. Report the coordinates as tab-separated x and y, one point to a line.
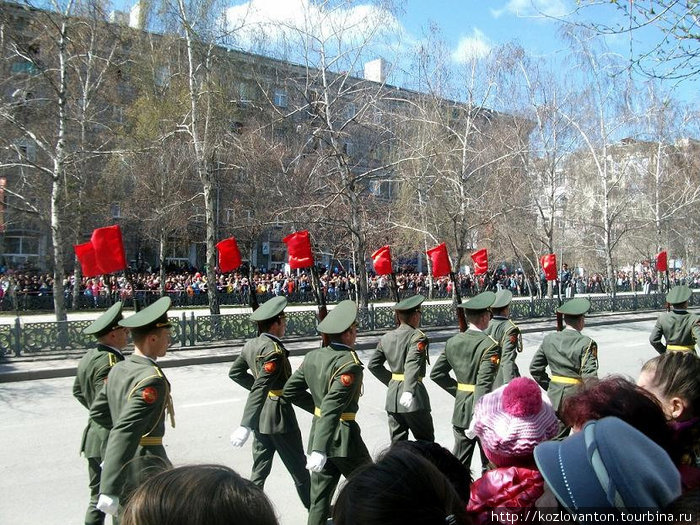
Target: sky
474	27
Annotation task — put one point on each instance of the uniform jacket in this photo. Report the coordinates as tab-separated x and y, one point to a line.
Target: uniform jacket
333	375
678	327
136	397
268	360
405	349
474	356
507	333
509	489
89	380
568	353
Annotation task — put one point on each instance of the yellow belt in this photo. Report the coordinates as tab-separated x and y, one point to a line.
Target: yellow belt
680	348
400	377
345	416
565	380
274	393
464	387
149	441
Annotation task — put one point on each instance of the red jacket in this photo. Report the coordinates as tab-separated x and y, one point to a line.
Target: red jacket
511	490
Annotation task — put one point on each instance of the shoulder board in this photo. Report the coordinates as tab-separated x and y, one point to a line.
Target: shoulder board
492	340
275	350
112	359
513	325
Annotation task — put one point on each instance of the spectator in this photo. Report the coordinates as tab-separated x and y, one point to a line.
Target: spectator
509	423
199	495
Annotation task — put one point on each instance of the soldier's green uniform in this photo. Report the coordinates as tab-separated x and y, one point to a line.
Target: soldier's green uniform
406	350
134	403
272	420
333	375
679	328
474	357
507	333
90	378
570	355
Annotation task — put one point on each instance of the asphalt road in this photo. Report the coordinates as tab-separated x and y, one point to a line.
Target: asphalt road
43	480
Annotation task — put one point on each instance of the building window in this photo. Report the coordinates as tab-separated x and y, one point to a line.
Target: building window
116	210
375	188
348	148
21	246
162	76
350	111
245	93
280	99
24	66
27	152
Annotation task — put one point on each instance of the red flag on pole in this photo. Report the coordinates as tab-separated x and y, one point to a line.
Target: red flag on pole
229	255
440	260
299	249
109	249
662	261
481	261
382	261
549	265
86	255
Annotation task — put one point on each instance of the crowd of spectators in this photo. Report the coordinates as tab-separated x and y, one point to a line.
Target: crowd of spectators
34	290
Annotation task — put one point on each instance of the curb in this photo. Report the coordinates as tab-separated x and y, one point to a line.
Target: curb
51	369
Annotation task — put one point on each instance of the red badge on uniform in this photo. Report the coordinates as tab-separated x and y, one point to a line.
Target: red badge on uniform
495	359
270	367
513	339
422	345
347	379
149	395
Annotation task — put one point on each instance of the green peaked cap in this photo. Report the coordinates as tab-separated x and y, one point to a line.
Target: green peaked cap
503	299
576	306
678	294
269	309
106	322
154	316
479	302
410	303
339	319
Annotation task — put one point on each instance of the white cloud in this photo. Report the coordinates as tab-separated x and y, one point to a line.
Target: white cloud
471	47
532	8
271	22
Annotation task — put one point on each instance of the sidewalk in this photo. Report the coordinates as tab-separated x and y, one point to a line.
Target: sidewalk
44	367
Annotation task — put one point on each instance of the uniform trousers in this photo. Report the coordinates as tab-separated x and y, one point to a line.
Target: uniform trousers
324	483
290	448
94	516
464	449
419	422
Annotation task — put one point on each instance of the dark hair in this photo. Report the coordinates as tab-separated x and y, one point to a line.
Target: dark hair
402	487
405	315
677	374
619	397
199	495
265	324
446	462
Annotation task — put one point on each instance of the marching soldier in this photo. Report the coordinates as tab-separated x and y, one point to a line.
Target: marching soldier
273	422
474	357
90	378
570	355
133	404
406	350
507	333
333	374
679	328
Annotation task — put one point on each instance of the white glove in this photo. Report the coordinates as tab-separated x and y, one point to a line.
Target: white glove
315	461
406	400
240	436
108	504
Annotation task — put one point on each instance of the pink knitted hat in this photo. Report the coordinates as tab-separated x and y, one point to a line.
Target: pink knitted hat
511	420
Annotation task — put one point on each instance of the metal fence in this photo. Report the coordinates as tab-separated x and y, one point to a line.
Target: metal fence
25	339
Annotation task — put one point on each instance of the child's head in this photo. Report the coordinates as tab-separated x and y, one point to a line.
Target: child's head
674	378
512	420
199	495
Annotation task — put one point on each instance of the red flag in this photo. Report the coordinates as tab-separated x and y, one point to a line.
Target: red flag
229	255
109	249
662	261
299	249
481	261
86	255
440	260
549	265
382	261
